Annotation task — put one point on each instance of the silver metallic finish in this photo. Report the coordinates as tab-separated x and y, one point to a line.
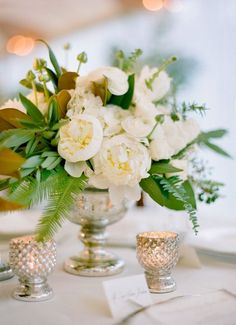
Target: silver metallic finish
32	262
94	211
158	253
5	271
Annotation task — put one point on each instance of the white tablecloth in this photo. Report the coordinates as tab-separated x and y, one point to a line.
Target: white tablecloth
81	300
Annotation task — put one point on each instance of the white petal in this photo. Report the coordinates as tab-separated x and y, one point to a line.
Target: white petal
117	194
75	169
98	181
133	193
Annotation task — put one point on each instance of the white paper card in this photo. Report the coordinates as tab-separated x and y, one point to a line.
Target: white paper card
126	295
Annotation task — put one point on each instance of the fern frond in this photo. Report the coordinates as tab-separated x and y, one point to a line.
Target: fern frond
59	205
23	192
173	186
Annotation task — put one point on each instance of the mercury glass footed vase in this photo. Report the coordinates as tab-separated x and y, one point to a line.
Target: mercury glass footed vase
94	211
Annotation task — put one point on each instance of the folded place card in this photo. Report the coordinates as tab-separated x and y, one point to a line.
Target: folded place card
126	295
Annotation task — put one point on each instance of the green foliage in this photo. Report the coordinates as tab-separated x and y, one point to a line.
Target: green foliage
163	168
32	111
125	63
124	101
60	202
53	77
192	108
53	58
173	194
205	137
15	137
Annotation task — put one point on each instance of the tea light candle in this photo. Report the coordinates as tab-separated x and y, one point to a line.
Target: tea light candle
32	262
158	253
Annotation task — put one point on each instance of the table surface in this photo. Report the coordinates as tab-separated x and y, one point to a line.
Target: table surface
81	300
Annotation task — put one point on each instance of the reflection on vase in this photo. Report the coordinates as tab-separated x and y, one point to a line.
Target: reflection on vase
93	211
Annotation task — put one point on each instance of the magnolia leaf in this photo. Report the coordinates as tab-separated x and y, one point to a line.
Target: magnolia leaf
32	110
67	80
10	118
63	98
9	206
52	58
10	162
163	168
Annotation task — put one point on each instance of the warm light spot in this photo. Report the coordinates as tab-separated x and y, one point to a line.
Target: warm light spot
174	5
153	5
20	45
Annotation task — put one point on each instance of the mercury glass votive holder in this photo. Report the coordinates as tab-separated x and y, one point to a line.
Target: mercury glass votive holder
32	262
158	253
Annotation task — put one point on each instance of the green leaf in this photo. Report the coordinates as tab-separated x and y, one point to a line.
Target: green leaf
15	137
49	161
49	154
33	162
32	110
53	112
219	133
25	172
60	203
152	189
124	101
54	164
53	78
31	146
217	149
26	83
163	168
52	58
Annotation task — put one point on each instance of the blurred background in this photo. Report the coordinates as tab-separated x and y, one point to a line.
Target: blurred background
202	34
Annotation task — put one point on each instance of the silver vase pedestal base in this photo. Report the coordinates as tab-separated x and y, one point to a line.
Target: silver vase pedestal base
33	292
108	265
160	283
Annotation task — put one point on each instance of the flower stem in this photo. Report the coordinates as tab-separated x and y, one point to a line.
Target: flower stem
35	92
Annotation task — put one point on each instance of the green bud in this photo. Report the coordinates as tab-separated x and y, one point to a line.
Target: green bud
54	142
160	118
120	55
39	64
48	134
30	75
82	57
67	46
44	78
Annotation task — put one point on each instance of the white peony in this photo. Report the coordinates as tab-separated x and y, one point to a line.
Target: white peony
13	103
80	139
86	103
171	137
138	127
160	85
120	165
117	79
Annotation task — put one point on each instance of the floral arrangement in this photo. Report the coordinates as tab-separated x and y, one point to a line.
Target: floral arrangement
111	129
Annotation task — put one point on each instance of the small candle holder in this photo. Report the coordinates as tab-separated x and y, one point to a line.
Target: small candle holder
32	262
158	254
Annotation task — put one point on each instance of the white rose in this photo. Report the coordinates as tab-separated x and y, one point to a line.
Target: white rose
116	78
181	164
138	127
87	103
144	107
80	139
160	85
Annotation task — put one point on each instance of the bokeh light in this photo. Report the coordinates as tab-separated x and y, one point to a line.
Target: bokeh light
153	5
20	45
